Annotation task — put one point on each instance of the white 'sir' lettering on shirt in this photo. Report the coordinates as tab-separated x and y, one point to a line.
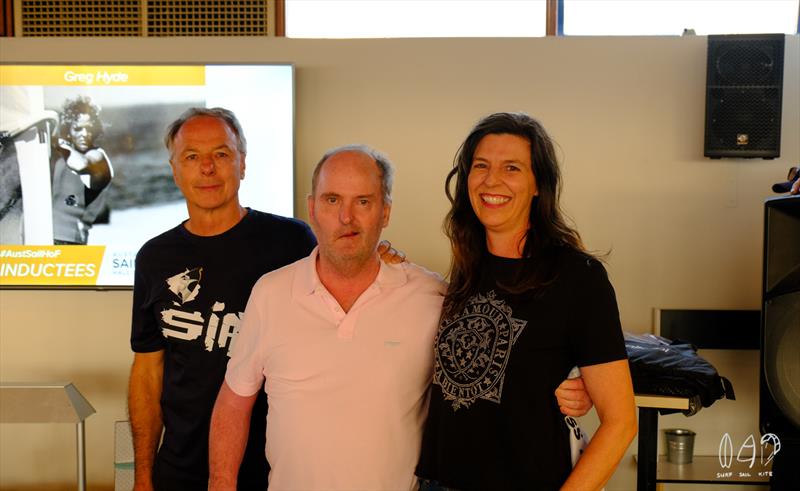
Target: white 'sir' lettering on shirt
186	324
220	329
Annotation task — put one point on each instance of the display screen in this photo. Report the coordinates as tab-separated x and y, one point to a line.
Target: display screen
85	178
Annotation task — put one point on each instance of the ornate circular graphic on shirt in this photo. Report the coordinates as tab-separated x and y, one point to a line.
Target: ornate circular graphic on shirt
473	349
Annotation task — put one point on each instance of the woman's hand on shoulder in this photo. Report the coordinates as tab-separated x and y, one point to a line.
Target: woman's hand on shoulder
389	254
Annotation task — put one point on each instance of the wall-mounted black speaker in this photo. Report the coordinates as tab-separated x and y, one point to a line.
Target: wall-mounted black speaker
779	408
744	89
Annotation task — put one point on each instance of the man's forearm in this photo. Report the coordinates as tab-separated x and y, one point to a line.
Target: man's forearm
230	427
146	428
144	409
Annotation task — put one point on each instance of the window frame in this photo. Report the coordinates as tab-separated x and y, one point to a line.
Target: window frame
554	18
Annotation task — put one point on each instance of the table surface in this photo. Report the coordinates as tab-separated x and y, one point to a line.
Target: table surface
661	402
59	402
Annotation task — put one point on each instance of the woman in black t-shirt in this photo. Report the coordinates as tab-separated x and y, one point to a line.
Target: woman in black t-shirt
525	304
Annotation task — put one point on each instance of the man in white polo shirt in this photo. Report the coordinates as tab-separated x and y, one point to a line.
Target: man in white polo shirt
344	342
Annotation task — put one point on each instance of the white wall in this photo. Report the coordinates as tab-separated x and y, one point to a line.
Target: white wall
627	113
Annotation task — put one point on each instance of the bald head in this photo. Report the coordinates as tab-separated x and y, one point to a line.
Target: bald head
385	167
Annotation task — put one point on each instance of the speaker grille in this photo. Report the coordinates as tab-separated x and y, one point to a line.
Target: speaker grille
781	355
744	90
743	119
82	18
206	18
747	64
780	322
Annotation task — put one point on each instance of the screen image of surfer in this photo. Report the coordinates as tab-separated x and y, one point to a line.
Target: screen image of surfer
81	172
85	178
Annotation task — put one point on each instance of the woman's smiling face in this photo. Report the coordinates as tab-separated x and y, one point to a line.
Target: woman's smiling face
501	183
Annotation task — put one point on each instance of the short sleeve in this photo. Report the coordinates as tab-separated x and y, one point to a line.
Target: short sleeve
146	334
245	374
595	329
306	240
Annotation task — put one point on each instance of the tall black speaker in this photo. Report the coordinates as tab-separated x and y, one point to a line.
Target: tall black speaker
780	320
744	89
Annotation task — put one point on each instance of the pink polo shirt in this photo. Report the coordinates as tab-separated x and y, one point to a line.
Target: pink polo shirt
347	391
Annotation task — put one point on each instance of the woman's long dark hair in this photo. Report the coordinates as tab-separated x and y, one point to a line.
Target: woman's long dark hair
548	232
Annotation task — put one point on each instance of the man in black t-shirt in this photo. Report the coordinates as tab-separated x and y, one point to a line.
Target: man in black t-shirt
191	287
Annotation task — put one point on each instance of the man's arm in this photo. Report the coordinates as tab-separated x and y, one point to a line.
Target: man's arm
99	171
93	167
230	427
144	409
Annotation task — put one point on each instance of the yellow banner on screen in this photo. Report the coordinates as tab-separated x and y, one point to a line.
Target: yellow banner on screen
102	75
50	265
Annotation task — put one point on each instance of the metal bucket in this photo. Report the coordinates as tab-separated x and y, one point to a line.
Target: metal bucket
680	445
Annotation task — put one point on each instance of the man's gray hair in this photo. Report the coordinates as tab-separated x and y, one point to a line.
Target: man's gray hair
220	113
385	167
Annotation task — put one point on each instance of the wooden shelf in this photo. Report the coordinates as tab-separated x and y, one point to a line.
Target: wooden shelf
661	402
